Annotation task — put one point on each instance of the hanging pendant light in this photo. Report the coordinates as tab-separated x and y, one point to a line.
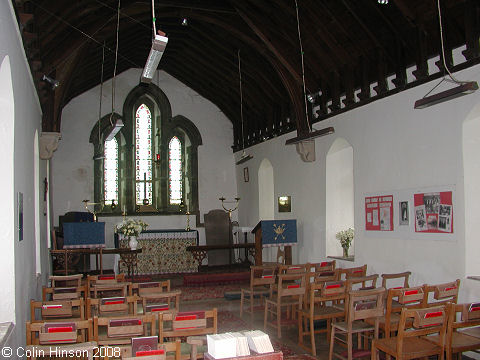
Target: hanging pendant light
100	156
244	157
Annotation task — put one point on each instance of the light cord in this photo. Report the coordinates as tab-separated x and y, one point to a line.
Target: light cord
443	48
154	19
101	94
303	68
115	66
241	100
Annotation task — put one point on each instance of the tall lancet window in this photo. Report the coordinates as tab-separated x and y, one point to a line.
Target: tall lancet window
175	172
110	171
143	155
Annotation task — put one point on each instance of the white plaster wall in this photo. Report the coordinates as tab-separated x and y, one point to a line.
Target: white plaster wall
72	165
20	149
397	150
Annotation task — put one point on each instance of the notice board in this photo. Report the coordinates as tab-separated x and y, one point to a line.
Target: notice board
379	213
433	212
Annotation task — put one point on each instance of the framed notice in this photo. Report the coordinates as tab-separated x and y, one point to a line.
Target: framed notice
433	212
379	213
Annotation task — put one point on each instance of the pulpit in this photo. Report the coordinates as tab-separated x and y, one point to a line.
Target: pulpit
274	233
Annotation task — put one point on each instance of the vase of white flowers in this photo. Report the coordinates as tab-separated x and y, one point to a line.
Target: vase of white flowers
131	228
345	237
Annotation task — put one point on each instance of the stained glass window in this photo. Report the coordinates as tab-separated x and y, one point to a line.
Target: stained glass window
175	170
143	154
110	171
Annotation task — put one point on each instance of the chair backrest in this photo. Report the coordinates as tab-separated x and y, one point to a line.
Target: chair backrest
362	283
364	304
261	275
64	287
112	306
291	285
443	293
426	321
153	287
187	323
119	330
57	309
358	271
160	302
61	332
292	269
396	279
98	285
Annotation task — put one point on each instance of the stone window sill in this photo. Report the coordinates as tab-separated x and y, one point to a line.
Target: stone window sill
350	258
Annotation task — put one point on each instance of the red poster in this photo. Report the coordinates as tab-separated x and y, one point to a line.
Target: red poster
379	213
434	212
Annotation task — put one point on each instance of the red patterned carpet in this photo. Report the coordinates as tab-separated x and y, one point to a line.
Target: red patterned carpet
206	292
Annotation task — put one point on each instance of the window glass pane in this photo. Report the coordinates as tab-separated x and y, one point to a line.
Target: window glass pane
143	154
175	170
110	171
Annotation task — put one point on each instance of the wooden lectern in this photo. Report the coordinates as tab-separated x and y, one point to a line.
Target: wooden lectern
273	233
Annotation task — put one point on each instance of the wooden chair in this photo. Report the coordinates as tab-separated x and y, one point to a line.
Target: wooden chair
323	296
108	286
61	332
396	278
347	273
290	293
194	325
113	306
152	287
463	334
119	330
171	351
411	341
362	282
292	269
64	287
162	301
55	310
262	279
361	305
441	294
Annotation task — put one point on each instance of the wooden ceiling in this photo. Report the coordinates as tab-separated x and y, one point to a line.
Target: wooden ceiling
348	45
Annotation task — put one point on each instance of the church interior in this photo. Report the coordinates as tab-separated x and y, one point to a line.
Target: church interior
269	170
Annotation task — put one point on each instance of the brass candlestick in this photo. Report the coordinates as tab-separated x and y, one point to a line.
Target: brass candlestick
222	199
94	212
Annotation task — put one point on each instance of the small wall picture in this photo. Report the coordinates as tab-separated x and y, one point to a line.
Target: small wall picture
403	213
284	204
246	178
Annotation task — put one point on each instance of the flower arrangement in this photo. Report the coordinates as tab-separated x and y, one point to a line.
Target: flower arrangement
346	238
131	227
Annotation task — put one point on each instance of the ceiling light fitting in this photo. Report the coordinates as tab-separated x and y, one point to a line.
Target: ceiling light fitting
383	2
184	22
462	88
53	82
244	157
117	126
311	135
159	44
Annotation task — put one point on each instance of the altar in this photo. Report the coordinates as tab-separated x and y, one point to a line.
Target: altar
163	251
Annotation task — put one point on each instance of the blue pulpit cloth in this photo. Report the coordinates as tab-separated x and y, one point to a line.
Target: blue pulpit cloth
84	235
279	232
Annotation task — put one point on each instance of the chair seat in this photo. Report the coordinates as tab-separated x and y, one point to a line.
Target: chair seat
394	319
474	331
460	342
323	312
357	326
412	348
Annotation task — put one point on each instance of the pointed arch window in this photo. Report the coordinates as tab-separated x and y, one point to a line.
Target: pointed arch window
143	155
175	171
110	171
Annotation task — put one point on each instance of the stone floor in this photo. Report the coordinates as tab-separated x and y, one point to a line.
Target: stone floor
289	333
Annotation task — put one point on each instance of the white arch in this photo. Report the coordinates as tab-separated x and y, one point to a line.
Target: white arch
471	172
339	194
7	193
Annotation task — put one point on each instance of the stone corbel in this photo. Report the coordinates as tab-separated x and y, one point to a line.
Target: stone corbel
306	150
48	144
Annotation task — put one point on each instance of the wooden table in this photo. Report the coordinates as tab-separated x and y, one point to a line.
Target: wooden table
199	252
128	256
